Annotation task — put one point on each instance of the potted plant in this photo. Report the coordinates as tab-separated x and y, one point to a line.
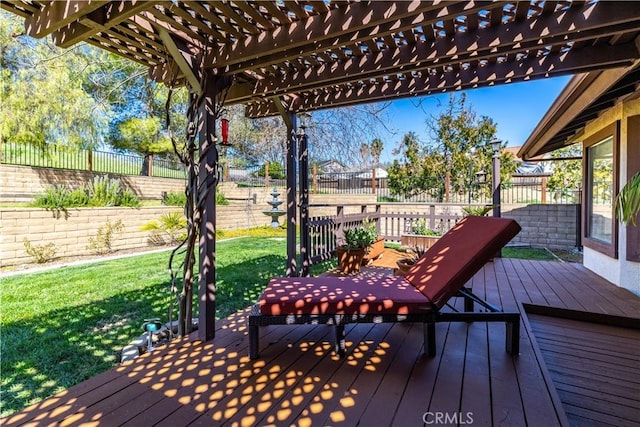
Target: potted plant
356	243
420	236
404	264
627	203
375	249
476	210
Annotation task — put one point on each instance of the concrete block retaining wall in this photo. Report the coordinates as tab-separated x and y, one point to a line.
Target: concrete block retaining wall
71	235
550	226
20	184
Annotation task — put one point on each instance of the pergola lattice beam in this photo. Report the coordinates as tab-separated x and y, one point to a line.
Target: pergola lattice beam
579	60
100	19
303	36
183	60
482	43
57	15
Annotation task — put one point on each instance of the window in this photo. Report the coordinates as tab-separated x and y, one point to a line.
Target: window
599	188
600	226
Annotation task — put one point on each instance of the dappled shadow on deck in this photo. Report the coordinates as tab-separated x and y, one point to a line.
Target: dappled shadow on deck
383	380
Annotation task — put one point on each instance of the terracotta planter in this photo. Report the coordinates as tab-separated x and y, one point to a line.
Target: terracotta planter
374	251
350	260
404	264
418	241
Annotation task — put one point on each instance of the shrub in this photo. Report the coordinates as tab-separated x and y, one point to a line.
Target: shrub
78	197
175	199
361	237
101	244
476	210
180	199
40	253
128	199
420	228
58	198
276	171
104	191
221	199
171	224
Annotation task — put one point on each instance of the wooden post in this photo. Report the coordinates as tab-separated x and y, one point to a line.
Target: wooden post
496	187
226	171
90	160
207	181
544	190
315	179
340	222
373	181
447	185
432	217
305	240
150	162
292	212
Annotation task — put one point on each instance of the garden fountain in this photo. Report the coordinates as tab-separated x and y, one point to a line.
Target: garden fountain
275	212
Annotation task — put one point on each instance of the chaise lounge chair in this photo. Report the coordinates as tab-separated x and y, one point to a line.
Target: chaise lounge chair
420	296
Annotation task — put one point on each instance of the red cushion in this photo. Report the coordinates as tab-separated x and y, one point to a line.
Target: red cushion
458	255
342	295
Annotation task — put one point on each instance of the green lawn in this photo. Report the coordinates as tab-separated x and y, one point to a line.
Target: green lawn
66	325
528	253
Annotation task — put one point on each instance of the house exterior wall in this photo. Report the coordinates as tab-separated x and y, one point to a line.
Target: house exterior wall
620	270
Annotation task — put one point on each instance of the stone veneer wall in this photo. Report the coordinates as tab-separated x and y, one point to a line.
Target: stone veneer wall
20	184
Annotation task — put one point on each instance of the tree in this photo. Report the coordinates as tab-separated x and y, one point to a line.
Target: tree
338	133
44	98
455	133
79	97
567	174
276	171
409	175
332	134
376	148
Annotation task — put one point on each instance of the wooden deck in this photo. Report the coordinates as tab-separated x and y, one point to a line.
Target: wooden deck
384	380
595	369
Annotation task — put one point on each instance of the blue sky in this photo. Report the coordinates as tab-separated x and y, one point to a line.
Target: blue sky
516	108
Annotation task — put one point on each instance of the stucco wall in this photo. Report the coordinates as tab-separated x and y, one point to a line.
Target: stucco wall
618	270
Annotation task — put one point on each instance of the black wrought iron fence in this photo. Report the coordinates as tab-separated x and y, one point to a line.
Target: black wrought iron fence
57	157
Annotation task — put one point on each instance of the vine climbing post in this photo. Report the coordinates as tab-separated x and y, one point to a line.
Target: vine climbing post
207	181
291	120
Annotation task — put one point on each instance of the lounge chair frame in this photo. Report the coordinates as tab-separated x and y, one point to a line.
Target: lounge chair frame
493	314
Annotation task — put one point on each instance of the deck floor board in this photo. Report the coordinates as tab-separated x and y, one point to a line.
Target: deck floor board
385	379
595	369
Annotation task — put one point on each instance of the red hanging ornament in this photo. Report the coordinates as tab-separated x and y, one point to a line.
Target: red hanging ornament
224	126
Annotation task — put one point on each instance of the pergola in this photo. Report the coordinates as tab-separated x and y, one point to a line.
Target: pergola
285	57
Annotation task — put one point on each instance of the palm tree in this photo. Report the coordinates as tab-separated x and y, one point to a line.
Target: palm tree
376	150
628	201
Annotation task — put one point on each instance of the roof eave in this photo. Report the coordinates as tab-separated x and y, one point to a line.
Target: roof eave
579	93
